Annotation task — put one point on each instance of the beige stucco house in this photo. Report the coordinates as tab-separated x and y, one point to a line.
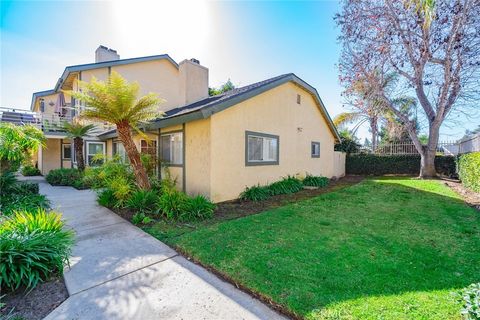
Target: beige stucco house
212	145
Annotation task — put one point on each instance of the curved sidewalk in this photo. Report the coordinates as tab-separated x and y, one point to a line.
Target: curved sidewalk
117	271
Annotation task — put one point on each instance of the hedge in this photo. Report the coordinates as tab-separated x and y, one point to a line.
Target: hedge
370	164
469	170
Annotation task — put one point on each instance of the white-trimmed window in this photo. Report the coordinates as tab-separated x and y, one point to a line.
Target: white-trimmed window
171	145
119	149
261	149
94	148
66	151
315	149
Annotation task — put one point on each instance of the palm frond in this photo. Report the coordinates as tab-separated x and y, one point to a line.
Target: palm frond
347	117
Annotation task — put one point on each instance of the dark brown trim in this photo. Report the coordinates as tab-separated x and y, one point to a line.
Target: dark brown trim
61	153
261	163
159	159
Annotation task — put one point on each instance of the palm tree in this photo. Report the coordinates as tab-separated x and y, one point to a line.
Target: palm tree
369	115
76	131
115	101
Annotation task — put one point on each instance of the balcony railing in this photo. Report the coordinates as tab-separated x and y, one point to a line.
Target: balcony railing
47	122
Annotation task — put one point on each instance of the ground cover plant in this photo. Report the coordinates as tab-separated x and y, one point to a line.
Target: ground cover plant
286	185
390	248
19	196
34	246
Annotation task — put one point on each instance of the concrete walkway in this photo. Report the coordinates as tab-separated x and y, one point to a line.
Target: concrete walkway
117	271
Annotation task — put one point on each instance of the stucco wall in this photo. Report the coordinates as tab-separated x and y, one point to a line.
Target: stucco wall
51	155
197	157
273	112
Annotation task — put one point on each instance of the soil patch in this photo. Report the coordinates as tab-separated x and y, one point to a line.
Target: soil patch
38	303
470	197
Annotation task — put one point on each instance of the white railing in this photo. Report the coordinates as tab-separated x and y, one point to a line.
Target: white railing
408	148
47	122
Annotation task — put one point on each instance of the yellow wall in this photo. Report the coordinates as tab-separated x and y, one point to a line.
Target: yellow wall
197	157
51	155
273	112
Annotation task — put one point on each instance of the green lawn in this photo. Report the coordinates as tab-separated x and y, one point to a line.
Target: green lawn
392	248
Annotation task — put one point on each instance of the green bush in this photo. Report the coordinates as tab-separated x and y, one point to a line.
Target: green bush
110	170
106	198
7	181
469	170
255	193
141	218
469	297
143	201
25	188
171	202
33	247
196	208
122	189
30	171
287	185
22	202
315	181
64	177
370	164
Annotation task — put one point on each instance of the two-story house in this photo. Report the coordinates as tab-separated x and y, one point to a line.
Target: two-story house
215	146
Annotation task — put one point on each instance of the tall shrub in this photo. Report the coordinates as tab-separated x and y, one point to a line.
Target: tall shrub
469	170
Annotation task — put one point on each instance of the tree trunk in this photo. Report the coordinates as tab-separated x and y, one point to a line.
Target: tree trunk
374	129
78	142
427	162
125	136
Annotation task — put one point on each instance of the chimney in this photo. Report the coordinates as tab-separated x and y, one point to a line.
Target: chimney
103	54
193	81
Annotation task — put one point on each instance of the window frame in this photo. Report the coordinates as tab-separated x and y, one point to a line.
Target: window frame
315	143
87	154
63	151
115	148
249	163
160	146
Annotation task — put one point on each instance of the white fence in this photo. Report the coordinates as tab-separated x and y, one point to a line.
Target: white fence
470	144
408	148
339	164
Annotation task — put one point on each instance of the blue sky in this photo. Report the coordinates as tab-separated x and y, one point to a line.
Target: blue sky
243	41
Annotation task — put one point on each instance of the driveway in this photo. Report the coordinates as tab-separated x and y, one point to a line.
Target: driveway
117	271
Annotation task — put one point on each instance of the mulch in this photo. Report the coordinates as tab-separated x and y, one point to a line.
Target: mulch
36	304
470	197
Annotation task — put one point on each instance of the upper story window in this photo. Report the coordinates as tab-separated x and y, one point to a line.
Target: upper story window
171	147
261	149
315	149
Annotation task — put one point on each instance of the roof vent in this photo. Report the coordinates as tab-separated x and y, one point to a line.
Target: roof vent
195	61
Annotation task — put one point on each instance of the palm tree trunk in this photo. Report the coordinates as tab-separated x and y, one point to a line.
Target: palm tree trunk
78	142
125	135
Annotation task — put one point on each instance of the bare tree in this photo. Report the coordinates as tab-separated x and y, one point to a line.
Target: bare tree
435	51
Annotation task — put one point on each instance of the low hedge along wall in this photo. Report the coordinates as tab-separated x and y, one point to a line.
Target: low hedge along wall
469	170
370	164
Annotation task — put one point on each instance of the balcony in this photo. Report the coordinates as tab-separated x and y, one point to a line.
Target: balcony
49	123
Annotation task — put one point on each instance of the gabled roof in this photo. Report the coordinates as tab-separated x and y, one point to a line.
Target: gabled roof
205	108
90	66
96	65
38	94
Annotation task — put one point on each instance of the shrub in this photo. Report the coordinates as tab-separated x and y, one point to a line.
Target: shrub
143	201
315	181
255	193
22	202
110	170
371	164
7	181
170	203
469	170
469	297
196	208
287	185
30	171
140	217
122	188
64	176
106	198
33	246
25	188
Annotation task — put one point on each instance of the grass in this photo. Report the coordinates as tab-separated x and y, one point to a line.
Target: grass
392	248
